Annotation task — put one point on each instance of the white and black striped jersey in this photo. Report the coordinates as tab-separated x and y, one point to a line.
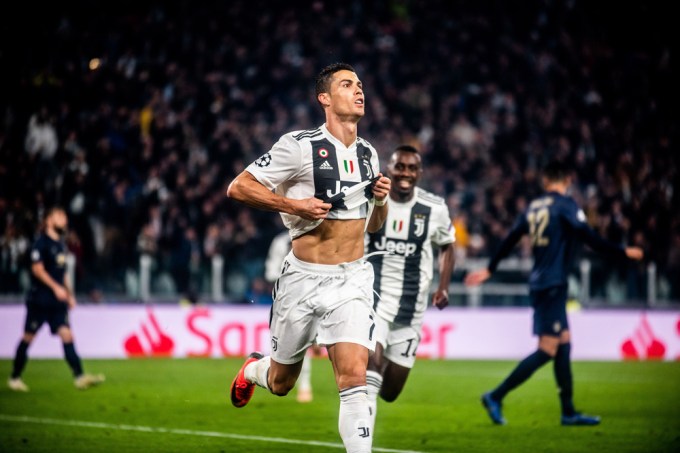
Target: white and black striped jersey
313	163
403	277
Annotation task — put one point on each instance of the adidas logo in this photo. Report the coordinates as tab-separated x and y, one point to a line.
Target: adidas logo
325	166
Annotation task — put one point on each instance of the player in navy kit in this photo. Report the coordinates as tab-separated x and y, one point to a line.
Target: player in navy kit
327	186
48	301
555	224
417	223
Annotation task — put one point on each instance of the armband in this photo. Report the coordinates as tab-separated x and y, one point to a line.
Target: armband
382	202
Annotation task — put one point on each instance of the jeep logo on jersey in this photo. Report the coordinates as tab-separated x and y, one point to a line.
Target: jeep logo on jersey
338	189
419	223
394	246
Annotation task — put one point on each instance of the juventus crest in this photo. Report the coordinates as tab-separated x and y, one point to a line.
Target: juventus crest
419	223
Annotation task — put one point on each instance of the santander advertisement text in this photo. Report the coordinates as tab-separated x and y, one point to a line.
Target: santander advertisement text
132	331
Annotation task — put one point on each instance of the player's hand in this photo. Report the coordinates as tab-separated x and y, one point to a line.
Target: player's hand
440	298
71	302
311	208
477	277
634	253
381	188
60	293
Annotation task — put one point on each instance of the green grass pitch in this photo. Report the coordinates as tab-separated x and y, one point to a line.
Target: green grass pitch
182	405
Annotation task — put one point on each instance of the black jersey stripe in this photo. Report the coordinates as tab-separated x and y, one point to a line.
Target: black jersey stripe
417	234
311	133
377	262
325	179
364	155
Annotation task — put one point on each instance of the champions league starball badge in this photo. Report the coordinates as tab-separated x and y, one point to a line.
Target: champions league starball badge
264	161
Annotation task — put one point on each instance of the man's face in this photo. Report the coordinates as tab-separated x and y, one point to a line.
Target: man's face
405	170
346	95
58	222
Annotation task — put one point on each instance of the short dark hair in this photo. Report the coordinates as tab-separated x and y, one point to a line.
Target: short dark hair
50	212
556	170
323	80
406	149
54	209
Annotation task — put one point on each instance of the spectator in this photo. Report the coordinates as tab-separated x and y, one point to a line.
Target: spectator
488	94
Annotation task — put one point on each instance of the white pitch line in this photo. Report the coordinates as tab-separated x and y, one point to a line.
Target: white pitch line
151	429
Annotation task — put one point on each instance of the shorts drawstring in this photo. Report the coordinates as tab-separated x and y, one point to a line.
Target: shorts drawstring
379	252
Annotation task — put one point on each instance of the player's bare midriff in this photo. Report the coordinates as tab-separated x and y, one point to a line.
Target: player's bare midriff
332	242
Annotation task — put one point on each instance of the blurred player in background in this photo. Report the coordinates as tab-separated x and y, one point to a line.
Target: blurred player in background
326	184
49	299
555	224
417	222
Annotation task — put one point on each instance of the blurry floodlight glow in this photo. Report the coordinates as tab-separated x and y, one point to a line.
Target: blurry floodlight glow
94	64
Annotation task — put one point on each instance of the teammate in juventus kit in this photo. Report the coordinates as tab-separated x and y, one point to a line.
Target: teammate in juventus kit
326	184
417	222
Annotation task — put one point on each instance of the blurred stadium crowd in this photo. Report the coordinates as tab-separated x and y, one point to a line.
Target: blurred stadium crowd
136	116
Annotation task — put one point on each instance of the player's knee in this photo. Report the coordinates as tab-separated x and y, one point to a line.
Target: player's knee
377	362
280	390
388	395
347	381
549	345
392	386
357	373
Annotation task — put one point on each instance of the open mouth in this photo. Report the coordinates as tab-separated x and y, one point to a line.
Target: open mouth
404	184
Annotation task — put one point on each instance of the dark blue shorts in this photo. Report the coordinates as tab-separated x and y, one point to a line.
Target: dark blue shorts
54	315
550	310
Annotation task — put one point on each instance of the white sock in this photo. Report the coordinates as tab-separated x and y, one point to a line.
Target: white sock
256	372
305	380
374	381
354	420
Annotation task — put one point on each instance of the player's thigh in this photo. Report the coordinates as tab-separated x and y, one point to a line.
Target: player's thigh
376	361
35	317
402	345
550	311
293	323
348	314
65	334
57	318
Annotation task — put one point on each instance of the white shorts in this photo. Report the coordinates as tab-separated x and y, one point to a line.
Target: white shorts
329	303
399	341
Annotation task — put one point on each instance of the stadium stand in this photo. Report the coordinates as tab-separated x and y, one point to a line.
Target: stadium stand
136	116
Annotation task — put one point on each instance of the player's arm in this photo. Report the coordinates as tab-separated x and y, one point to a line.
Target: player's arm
71	299
381	190
447	260
248	190
38	270
577	220
506	246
